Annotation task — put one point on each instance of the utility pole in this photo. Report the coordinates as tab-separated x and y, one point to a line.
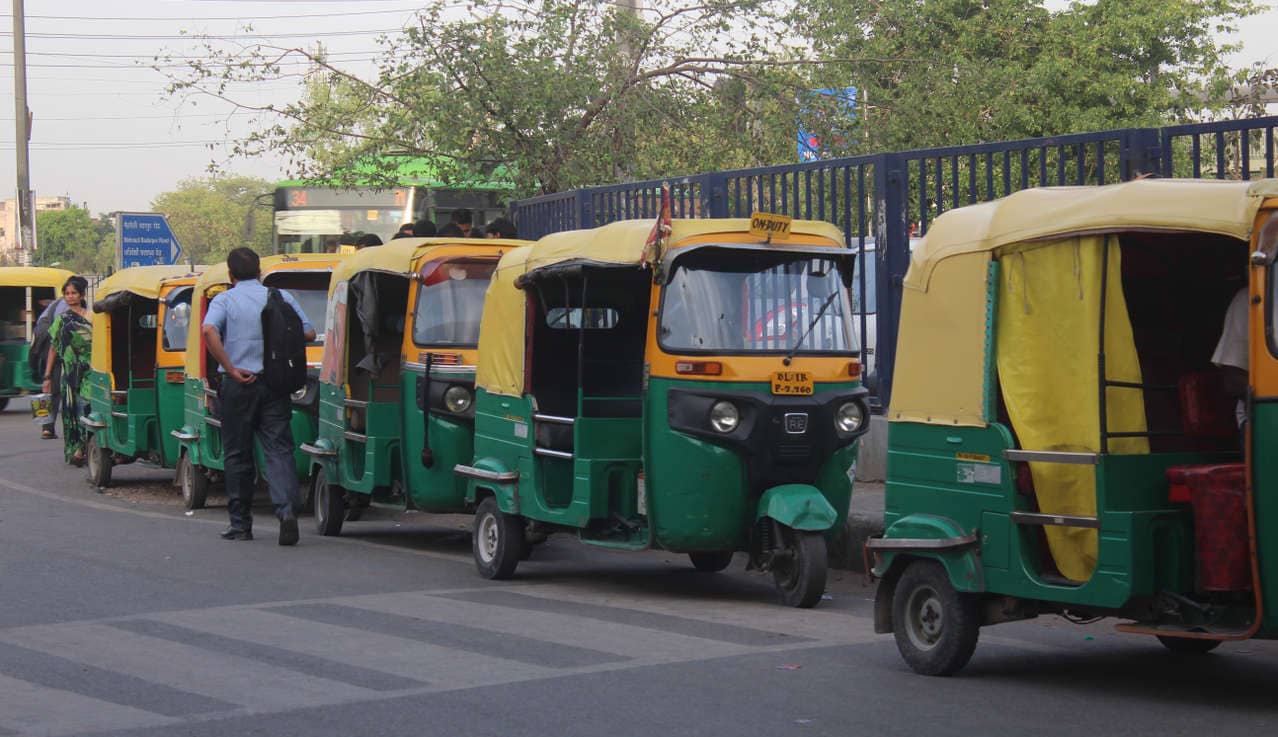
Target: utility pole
21	119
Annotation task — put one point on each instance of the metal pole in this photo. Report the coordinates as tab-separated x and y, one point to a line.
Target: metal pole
25	234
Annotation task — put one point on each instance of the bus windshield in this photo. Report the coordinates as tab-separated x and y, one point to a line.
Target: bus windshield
726	300
450	303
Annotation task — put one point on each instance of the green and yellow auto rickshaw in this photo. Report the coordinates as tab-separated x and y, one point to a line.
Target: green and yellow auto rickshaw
134	388
398	375
24	292
1064	433
692	386
200	464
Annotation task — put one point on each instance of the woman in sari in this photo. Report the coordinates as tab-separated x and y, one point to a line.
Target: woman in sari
71	336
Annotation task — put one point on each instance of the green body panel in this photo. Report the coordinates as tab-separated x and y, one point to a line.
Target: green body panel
696	491
1145	543
15	372
1264	433
392	452
170	397
133	427
799	506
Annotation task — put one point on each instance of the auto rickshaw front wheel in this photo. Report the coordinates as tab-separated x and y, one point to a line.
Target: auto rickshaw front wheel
1189	645
4	403
99	461
194	482
330	504
936	627
799	567
497	540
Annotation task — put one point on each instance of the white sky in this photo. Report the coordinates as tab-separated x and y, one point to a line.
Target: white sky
106	134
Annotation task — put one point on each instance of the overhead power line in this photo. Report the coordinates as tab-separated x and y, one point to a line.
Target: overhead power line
201	36
133	19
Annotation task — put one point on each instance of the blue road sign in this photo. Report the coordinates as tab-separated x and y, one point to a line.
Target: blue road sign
837	108
145	239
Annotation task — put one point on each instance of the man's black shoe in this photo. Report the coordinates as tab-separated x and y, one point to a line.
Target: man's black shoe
232	533
288	531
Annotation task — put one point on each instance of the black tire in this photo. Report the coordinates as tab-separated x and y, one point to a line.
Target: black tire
99	461
1188	645
936	627
4	403
800	574
330	505
497	541
194	482
711	562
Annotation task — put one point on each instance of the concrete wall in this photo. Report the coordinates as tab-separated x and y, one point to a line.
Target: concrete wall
871	463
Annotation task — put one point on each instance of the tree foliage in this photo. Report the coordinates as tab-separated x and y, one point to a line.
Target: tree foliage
566	93
208	215
73	240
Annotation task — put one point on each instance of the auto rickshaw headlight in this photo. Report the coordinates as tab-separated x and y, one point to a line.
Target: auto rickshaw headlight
724	416
457	399
850	417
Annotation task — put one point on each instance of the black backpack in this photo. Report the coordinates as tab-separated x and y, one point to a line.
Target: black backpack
284	345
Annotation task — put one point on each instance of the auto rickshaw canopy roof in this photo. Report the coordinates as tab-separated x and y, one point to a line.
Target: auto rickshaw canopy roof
622	243
398	256
33	276
940	373
217	275
1047	213
143	281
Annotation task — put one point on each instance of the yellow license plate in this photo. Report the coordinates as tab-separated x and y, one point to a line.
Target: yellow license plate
792	383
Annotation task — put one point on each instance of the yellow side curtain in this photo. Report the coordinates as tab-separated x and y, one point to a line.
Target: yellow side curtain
1048	335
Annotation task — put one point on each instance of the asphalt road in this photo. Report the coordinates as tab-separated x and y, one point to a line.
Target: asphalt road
121	615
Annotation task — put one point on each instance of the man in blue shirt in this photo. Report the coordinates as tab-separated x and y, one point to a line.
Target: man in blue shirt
233	334
39	351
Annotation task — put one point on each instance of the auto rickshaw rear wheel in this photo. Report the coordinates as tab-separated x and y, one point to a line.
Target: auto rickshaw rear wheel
330	504
4	403
711	562
799	567
99	461
936	626
195	483
497	540
1189	645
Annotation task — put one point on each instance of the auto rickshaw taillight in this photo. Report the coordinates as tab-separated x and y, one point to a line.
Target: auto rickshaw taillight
854	369
699	368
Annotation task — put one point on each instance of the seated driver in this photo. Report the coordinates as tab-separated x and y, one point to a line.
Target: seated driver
1231	354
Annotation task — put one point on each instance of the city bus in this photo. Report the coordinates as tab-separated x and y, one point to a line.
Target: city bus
317	218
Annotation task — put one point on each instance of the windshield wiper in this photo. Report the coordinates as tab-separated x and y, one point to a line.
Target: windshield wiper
824	306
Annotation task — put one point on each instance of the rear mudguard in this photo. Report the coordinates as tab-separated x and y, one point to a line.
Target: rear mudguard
797	506
923	536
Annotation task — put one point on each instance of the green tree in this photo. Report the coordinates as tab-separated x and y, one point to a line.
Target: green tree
989	70
561	94
208	215
71	239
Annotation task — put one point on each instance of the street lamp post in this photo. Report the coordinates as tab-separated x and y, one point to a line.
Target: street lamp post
22	120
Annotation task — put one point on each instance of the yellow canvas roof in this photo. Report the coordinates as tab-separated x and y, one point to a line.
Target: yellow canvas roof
215	274
33	276
398	256
144	281
944	303
501	331
1048	213
622	242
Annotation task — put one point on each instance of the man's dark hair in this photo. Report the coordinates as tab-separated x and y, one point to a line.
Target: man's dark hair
462	216
405	230
503	228
368	239
424	228
451	230
243	264
401	235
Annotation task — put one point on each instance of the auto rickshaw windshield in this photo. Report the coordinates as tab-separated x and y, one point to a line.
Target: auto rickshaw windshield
314	303
743	301
450	304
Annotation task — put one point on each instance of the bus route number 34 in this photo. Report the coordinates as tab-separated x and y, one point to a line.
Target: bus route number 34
792	383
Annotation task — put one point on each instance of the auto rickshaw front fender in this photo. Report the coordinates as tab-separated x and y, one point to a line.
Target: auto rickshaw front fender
797	506
490	476
917	536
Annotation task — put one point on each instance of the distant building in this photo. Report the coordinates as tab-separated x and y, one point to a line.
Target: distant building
9	225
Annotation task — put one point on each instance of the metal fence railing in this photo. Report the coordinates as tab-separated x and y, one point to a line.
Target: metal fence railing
881	201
